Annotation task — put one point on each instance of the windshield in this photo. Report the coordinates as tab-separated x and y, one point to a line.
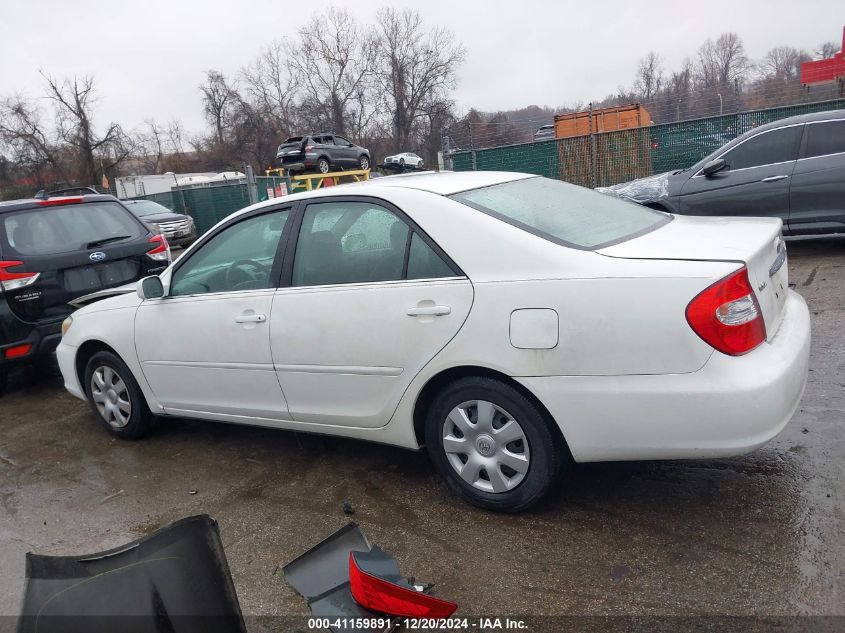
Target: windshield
563	213
144	208
70	227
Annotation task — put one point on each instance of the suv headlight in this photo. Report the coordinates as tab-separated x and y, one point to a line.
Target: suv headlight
66	325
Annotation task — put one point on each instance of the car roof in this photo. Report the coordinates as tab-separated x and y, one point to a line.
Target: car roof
35	203
801	118
446	183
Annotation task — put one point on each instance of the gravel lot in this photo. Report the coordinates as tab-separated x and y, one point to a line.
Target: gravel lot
761	535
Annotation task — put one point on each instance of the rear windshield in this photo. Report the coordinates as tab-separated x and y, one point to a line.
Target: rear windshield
147	207
67	228
563	213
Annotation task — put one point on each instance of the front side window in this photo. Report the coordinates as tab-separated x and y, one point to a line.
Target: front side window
240	257
339	140
562	212
769	148
69	227
825	138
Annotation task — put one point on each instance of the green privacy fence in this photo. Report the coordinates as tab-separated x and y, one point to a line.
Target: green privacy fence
608	158
207	205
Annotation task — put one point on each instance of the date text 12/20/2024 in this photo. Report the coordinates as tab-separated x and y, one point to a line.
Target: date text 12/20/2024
420	624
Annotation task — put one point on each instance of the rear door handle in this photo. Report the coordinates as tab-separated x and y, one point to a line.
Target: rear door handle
250	318
774	178
430	311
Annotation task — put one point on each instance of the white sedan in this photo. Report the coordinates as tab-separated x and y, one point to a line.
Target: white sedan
408	159
508	322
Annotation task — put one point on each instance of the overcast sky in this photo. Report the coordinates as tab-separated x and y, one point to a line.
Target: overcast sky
149	56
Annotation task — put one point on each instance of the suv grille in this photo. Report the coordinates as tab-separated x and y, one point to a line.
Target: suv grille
177	226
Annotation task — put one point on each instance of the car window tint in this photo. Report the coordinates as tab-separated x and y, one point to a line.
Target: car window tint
777	146
67	228
563	212
349	242
424	263
825	138
238	258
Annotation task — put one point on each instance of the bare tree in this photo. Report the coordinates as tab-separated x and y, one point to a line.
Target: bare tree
270	85
22	130
333	61
74	101
416	67
649	79
782	62
827	50
219	96
722	61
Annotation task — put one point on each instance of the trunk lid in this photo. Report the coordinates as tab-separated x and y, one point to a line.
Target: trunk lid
754	242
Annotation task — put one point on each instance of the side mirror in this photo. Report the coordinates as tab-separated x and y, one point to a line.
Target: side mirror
150	288
714	166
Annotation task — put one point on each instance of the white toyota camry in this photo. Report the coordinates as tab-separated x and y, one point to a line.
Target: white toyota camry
508	322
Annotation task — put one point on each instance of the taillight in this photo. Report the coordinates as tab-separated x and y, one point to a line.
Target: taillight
382	596
161	252
14	280
308	148
18	351
727	316
52	202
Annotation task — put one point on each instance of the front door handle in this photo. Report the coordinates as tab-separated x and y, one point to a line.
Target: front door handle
774	178
250	318
429	311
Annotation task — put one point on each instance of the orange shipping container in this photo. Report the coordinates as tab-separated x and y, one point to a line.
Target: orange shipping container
623	117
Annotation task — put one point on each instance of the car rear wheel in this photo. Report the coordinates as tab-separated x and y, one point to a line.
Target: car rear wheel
492	445
115	397
323	166
364	162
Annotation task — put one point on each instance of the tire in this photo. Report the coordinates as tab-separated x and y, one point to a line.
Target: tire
323	166
4	380
364	162
538	449
109	382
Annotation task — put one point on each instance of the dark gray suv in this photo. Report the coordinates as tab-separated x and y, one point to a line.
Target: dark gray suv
793	169
321	153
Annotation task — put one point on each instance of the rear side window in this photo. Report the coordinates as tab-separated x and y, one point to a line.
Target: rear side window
777	146
824	138
563	213
68	228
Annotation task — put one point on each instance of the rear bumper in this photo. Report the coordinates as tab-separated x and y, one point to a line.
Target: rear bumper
42	339
731	406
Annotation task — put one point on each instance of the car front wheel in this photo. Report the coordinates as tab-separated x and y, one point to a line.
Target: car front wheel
492	445
364	163
115	397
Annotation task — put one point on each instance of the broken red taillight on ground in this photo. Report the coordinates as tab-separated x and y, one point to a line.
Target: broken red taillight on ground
384	596
727	315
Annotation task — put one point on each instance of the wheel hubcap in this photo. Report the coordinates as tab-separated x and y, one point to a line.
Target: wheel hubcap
111	396
486	446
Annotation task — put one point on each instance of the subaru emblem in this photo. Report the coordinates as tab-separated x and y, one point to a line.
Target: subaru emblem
97	256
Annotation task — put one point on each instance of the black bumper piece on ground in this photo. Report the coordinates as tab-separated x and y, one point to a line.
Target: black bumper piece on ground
176	579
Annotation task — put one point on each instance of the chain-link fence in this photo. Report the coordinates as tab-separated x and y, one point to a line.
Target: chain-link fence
208	204
608	158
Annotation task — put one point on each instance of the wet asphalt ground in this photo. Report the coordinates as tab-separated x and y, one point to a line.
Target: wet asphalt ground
761	535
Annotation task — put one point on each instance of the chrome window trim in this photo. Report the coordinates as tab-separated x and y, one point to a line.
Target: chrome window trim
700	173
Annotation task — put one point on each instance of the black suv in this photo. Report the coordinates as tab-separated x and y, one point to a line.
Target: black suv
321	153
56	248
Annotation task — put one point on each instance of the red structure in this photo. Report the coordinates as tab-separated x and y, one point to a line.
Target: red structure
825	70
